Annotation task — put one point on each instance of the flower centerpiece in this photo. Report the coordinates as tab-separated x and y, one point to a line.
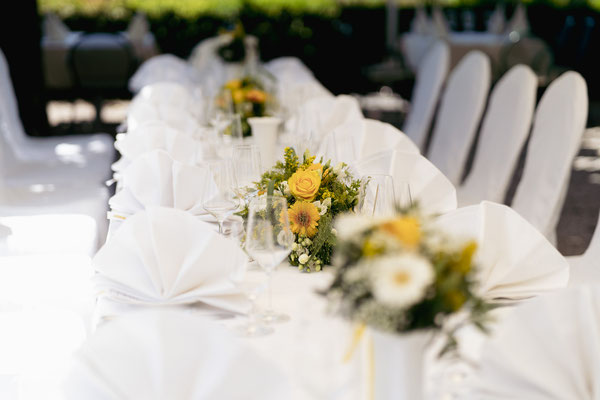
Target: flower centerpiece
399	275
249	98
403	279
316	192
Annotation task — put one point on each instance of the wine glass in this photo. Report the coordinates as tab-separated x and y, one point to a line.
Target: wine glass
246	170
377	196
403	195
219	198
221	111
237	134
251	285
269	240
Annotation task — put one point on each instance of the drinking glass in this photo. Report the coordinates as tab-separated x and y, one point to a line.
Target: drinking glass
221	111
377	196
220	200
403	195
251	285
269	241
246	170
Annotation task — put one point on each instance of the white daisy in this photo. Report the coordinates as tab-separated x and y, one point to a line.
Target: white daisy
401	281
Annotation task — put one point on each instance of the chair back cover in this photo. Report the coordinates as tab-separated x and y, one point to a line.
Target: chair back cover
459	114
14	133
428	186
504	130
430	79
558	126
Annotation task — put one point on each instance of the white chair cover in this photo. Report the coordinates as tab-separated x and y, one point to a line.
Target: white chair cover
428	85
421	23
354	141
439	22
514	260
164	68
504	130
459	114
559	123
171	355
87	156
497	20
548	348
428	186
518	22
54	28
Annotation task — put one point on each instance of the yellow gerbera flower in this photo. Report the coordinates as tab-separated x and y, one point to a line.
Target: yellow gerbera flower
406	229
303	218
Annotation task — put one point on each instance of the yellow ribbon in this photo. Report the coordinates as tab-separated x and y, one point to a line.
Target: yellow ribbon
359	332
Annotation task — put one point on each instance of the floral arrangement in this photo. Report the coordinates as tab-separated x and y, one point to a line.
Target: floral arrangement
249	99
316	192
399	275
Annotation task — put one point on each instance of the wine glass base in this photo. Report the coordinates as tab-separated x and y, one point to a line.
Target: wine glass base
252	330
272	317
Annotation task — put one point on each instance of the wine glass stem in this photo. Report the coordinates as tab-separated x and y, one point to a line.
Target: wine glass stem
220	221
270	288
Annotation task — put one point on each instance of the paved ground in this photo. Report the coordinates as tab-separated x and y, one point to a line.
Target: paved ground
578	218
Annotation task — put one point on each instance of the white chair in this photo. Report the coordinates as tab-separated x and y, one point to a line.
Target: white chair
428	85
428	186
585	268
504	131
90	155
354	141
559	123
459	114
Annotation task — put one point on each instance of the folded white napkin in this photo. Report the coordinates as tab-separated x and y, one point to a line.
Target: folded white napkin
428	186
355	140
548	348
164	256
171	355
515	260
155	179
154	135
164	68
323	115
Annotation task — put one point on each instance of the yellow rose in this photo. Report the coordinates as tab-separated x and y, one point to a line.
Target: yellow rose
233	84
304	185
406	229
238	96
